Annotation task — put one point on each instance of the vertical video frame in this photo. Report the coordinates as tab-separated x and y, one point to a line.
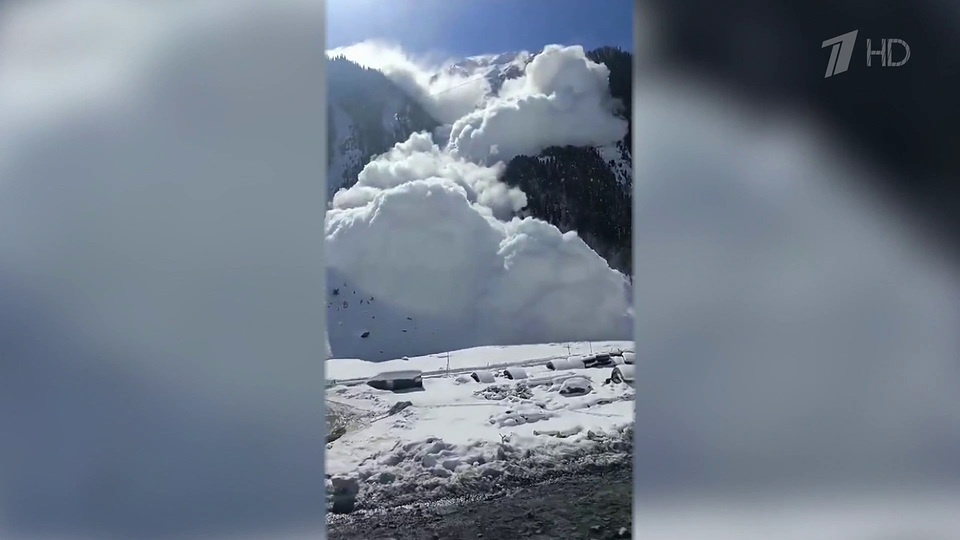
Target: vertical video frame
478	229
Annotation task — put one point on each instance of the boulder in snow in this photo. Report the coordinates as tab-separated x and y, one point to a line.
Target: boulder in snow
398	406
345	490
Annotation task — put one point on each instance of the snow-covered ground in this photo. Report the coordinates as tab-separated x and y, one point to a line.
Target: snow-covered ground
457	434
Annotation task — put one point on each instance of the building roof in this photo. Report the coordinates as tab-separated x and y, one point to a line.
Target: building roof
395	375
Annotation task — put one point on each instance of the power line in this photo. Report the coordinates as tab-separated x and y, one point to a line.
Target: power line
457	86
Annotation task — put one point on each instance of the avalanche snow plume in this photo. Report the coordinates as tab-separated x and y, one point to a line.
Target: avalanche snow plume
425	253
420	158
447	96
421	268
561	99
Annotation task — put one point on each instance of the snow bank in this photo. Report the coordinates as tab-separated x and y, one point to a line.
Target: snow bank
457	437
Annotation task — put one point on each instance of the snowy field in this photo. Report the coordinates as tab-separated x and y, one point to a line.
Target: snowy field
458	434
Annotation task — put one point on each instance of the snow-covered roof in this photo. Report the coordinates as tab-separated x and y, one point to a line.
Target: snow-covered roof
396	375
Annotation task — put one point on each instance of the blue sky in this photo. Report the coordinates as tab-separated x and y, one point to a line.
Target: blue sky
457	28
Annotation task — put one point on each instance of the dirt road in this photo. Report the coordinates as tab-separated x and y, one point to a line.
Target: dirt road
584	505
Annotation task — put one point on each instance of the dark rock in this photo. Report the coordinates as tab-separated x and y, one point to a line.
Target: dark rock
398	406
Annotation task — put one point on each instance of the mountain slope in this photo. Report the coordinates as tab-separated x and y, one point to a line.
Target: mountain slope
368	114
495	68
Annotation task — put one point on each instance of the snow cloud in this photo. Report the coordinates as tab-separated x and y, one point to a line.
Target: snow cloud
425	246
562	99
444	94
442	273
419	158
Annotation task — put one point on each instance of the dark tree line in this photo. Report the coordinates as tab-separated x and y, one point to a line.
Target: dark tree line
620	64
574	189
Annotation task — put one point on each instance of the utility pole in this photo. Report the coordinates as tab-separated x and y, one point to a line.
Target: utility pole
448	363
